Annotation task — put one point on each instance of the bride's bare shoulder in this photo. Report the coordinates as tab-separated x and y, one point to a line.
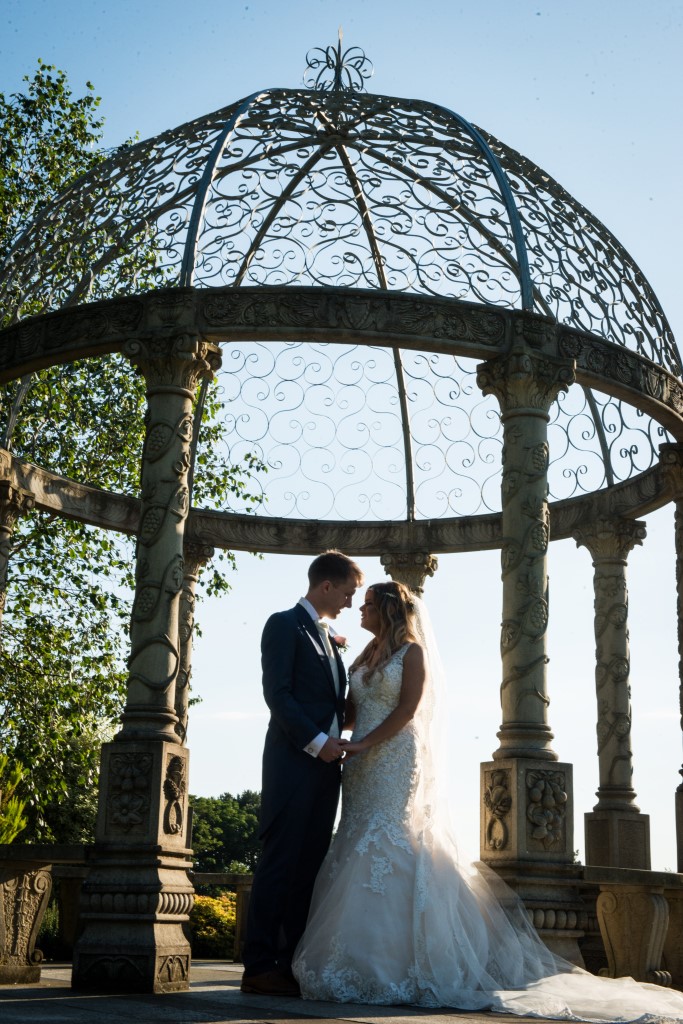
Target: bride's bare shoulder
415	654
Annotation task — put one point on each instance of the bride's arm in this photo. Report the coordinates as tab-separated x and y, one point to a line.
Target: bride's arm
412	685
349	714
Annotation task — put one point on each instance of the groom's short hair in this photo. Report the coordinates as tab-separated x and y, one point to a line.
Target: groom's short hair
334	566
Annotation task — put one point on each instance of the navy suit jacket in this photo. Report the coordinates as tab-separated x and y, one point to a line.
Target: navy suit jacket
299	690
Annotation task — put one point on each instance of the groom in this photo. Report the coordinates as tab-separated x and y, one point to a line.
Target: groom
304	685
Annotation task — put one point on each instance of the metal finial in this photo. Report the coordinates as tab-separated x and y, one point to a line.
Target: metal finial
331	70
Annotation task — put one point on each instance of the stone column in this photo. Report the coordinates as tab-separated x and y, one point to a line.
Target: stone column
617	834
671	462
14	502
527	804
196	557
525	384
137	897
411	568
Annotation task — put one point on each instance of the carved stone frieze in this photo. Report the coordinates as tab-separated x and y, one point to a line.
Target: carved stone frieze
598	360
526	811
546	808
173	971
497	802
70	333
107	971
369	317
129	793
175	795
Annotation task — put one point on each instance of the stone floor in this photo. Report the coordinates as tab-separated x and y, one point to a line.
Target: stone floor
214	998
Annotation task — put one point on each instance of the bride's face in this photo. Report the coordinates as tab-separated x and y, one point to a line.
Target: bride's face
369	615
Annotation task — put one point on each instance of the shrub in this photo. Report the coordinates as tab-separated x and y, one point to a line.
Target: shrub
213	926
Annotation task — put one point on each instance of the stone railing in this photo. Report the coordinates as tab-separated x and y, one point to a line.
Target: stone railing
26	879
242	886
639	913
26	874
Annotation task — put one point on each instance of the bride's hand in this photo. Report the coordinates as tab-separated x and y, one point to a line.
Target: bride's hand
352	747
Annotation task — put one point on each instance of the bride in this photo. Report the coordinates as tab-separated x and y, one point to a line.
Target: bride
395	919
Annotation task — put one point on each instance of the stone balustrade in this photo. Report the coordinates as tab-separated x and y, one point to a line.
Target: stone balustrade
26	878
639	913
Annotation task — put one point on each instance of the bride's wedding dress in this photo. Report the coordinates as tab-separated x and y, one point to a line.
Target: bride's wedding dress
396	920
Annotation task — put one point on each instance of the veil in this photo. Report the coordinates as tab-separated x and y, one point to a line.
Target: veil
516	969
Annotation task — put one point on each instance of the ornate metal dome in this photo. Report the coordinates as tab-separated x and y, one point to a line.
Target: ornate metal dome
331	190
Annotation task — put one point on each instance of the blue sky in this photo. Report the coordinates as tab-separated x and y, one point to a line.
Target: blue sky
591	91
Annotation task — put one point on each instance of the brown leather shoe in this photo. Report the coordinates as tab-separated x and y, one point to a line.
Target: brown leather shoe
270	983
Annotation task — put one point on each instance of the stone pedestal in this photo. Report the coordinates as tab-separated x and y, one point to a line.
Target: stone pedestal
136	901
619	838
527	836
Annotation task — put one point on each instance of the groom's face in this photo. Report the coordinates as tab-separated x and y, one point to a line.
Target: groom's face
336	597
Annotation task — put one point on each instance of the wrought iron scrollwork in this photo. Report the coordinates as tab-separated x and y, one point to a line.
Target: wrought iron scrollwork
330	69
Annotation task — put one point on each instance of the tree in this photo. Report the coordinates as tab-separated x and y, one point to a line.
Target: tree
12	819
69	589
225	831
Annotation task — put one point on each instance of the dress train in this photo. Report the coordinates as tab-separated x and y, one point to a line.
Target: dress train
396	920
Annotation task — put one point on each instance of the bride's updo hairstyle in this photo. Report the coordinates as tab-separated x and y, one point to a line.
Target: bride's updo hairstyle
396	611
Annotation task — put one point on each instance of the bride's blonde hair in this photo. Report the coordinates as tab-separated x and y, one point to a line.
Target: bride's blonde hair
396	611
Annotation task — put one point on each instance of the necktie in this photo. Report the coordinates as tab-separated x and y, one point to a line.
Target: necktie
323	629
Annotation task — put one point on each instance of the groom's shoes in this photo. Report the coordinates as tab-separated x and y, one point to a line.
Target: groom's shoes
270	983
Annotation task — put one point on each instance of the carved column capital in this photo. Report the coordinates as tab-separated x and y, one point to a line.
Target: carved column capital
525	380
196	555
610	538
178	360
14	502
411	568
671	469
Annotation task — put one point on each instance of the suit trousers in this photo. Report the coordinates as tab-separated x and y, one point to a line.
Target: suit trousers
294	846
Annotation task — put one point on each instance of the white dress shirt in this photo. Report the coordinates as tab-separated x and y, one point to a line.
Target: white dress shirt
318	742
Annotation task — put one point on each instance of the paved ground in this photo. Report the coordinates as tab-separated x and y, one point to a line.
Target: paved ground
214	998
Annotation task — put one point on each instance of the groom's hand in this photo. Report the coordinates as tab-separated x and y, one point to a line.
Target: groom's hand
331	750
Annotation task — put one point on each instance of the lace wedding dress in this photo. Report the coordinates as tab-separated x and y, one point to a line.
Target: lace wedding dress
396	920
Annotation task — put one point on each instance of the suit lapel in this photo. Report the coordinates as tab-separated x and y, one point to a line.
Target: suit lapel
312	630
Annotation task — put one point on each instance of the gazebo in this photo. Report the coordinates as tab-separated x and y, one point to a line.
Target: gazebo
434	348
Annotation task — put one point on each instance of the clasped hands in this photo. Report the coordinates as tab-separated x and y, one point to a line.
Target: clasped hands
339	750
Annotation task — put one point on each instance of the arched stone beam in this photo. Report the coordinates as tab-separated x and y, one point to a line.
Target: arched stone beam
342	315
73	500
60	496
